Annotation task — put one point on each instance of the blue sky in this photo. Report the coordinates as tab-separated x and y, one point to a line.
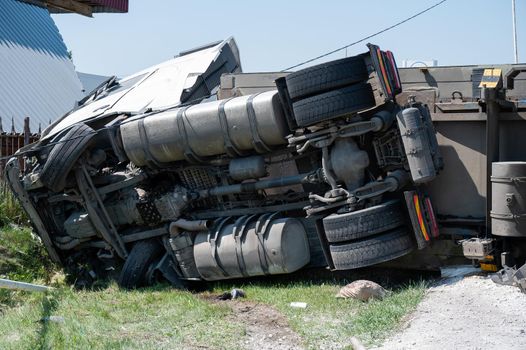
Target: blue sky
273	35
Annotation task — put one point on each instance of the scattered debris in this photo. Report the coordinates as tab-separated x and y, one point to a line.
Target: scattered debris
510	276
362	290
233	294
8	284
520	278
298	304
504	276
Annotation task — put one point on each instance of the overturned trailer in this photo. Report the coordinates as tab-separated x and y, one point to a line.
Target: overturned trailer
192	170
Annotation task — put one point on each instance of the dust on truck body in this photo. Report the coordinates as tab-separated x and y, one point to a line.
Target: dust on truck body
180	172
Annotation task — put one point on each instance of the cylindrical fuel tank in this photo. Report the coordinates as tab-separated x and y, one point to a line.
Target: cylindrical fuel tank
508	201
234	126
416	144
251	246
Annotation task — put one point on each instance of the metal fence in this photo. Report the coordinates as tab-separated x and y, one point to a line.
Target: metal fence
12	141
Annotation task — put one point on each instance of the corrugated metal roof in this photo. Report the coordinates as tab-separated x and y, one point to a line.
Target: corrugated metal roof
37	78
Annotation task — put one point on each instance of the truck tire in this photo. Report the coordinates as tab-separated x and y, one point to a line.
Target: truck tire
325	77
333	104
371	251
363	223
64	155
139	263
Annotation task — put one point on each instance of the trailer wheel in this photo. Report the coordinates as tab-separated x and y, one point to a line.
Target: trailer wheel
371	251
64	155
325	77
137	269
333	104
363	223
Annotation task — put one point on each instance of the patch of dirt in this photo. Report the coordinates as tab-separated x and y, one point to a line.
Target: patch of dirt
266	328
465	313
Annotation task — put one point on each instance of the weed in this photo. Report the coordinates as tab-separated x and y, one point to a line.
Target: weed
22	258
11	211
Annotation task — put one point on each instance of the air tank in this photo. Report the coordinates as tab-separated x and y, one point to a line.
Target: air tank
508	199
235	127
417	145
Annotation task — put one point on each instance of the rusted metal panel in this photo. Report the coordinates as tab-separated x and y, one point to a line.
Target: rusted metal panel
13	141
83	7
108	5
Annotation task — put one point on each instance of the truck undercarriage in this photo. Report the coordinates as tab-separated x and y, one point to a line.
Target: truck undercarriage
153	175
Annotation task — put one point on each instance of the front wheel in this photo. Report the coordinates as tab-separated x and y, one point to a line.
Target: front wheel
138	270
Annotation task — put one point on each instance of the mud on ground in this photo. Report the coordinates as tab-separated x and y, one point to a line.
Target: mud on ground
266	328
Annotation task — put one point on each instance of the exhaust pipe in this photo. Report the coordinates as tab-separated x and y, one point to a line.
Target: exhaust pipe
188	225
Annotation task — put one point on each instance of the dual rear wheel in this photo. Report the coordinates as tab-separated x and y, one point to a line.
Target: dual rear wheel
367	237
330	90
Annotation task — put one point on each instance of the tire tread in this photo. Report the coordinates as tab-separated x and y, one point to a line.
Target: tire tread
333	104
371	251
64	155
141	256
325	77
363	223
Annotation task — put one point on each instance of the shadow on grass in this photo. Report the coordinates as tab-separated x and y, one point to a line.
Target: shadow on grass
389	278
393	279
49	304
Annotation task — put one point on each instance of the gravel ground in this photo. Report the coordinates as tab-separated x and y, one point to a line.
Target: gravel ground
465	313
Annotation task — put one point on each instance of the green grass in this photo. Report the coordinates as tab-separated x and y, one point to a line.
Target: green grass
328	320
110	318
163	318
158	318
22	258
10	210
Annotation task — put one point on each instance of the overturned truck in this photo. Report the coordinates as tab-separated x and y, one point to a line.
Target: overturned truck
162	175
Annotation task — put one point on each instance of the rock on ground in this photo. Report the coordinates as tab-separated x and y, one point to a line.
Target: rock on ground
466	313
